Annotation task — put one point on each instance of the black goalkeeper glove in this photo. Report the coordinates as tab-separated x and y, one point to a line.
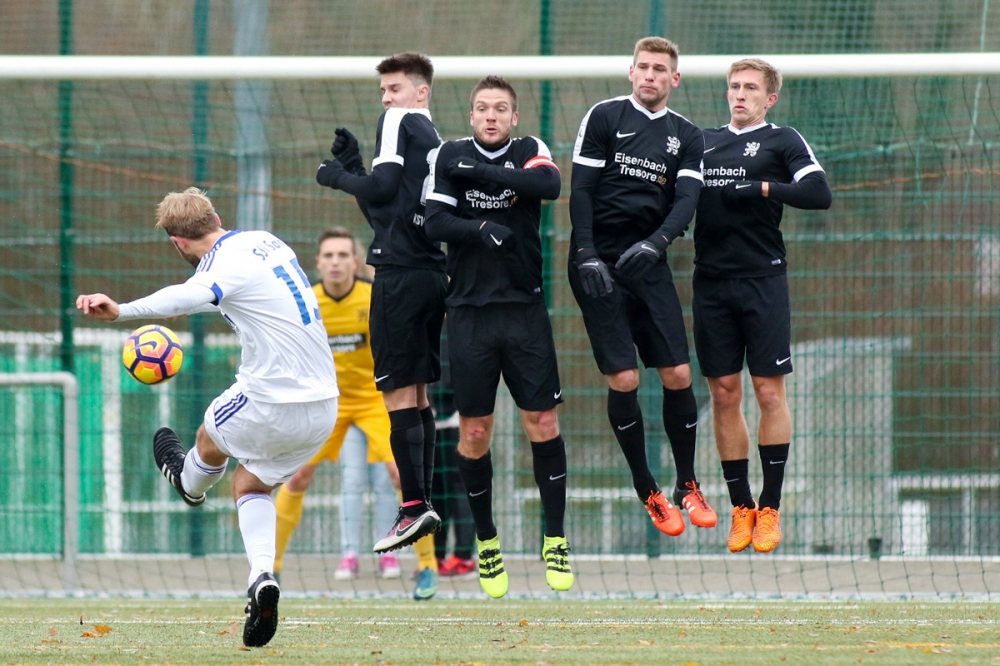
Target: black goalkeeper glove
346	149
638	259
594	274
498	238
328	173
464	167
741	191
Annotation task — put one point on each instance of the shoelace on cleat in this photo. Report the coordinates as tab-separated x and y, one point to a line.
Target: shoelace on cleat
654	507
695	494
557	558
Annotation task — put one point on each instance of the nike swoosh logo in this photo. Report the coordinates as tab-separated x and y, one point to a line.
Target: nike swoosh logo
378	379
783	361
708	150
558	395
556	478
777	462
622	136
626	427
743	187
478	494
463	165
729	480
498	242
690	425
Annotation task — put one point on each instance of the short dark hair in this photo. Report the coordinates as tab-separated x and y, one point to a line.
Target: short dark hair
494	83
338	232
411	64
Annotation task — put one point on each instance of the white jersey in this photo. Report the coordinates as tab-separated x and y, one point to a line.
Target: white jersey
266	297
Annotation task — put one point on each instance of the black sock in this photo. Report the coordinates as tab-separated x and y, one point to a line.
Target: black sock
406	438
549	460
737	477
680	420
430	435
477	475
772	462
626	422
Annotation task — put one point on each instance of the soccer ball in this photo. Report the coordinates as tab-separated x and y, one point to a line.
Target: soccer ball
153	354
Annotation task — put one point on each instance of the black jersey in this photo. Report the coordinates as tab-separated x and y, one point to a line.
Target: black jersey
641	155
745	241
406	137
479	275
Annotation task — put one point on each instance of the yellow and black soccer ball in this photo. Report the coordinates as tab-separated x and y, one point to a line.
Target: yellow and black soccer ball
153	354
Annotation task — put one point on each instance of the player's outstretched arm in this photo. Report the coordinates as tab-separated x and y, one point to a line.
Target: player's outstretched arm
98	306
812	192
377	187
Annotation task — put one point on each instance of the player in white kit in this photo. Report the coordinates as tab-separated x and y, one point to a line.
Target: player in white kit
283	404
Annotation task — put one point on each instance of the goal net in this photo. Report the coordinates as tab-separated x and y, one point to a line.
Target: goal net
891	489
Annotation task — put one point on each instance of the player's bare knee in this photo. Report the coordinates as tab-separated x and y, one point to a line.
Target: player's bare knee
207	449
676	377
541	426
626	380
727	393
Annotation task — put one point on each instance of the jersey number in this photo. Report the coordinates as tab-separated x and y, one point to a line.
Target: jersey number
294	288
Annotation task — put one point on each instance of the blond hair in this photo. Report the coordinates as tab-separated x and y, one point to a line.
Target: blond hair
656	45
772	77
188	214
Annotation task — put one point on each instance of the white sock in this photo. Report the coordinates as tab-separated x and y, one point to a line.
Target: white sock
197	476
258	521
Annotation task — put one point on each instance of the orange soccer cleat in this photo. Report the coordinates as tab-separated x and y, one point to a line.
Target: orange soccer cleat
699	512
666	517
767	534
741	533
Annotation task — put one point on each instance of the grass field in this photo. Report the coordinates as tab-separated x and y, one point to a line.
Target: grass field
538	632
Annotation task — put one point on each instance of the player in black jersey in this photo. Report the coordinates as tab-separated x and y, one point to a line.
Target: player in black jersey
636	178
407	306
486	203
741	301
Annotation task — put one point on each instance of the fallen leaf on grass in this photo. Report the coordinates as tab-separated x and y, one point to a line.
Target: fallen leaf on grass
523	623
53	631
102	629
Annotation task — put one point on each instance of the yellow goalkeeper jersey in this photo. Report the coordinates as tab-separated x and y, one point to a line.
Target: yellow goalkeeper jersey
346	322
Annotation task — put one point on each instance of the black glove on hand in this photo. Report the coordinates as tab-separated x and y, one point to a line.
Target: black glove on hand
328	172
464	167
346	149
638	259
742	190
593	274
498	238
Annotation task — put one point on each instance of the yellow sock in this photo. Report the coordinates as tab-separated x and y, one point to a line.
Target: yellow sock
288	505
424	548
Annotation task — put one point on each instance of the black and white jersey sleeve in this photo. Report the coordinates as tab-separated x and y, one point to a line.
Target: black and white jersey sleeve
508	189
406	139
629	166
742	238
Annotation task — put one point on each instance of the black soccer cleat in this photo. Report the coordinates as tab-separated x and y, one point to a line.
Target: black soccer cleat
262	611
408	529
169	456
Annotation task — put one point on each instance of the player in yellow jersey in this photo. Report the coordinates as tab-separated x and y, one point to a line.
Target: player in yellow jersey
344	302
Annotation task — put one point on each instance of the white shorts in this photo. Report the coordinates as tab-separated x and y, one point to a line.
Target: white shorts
271	440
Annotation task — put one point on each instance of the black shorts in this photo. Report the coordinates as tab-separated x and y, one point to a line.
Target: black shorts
512	339
643	314
743	318
407	310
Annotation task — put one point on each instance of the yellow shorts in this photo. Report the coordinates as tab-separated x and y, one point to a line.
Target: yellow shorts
372	419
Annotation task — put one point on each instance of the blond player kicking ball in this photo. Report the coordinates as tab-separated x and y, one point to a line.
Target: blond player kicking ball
283	405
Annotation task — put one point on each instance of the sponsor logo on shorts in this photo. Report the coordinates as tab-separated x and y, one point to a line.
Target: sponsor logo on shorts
782	361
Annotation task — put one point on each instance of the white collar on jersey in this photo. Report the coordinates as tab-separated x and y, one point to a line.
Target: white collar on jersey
746	129
649	114
496	153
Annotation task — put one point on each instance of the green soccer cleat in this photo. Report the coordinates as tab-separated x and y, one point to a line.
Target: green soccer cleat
558	573
427	584
492	575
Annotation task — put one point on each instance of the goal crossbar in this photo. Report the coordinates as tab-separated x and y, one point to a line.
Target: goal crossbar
469	67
